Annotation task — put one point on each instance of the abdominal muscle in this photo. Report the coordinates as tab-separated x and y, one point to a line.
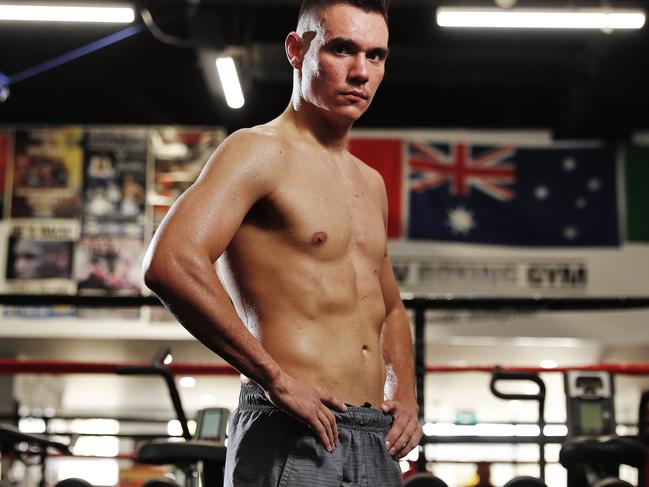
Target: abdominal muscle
320	321
332	354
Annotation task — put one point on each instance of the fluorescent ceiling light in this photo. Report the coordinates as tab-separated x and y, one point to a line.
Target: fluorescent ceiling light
540	19
230	82
66	13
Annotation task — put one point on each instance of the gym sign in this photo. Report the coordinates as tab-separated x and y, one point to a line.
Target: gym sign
490	276
567	275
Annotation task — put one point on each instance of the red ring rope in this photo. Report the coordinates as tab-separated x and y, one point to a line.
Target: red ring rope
31	366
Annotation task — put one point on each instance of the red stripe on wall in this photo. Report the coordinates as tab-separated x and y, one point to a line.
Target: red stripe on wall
384	155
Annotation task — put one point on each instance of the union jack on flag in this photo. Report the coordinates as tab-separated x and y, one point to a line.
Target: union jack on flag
488	171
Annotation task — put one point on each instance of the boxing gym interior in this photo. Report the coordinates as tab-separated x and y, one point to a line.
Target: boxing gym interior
513	140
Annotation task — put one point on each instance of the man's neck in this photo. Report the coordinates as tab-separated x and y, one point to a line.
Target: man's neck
309	121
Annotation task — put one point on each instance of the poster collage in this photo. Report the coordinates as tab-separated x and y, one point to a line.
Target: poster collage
79	204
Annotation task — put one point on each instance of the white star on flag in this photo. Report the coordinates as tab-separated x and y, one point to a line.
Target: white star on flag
461	220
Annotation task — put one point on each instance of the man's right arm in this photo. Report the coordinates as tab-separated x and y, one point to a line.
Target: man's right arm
179	268
179	264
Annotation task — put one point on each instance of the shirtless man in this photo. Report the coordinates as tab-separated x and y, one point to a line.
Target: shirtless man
316	325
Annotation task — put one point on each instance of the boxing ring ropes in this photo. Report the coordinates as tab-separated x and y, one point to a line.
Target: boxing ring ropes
418	306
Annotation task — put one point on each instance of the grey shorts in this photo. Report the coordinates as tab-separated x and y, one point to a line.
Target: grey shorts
269	448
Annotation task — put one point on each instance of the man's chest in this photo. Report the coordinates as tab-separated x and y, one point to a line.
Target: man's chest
329	213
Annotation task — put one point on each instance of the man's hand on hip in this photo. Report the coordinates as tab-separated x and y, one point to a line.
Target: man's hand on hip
310	405
406	430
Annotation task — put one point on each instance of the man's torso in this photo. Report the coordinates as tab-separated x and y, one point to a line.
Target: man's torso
304	270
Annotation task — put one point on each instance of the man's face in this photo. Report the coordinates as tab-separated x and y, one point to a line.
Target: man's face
345	61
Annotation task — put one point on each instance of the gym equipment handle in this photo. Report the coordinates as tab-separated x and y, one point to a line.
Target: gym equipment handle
168	377
501	375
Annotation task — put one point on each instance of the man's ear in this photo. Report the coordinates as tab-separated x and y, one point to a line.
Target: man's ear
293	46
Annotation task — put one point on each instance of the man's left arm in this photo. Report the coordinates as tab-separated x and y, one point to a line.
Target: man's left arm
396	344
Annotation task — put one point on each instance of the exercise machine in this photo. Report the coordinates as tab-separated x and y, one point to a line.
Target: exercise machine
16	445
201	458
498	375
593	453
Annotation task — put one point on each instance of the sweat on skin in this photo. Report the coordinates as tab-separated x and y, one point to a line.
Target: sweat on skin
307	306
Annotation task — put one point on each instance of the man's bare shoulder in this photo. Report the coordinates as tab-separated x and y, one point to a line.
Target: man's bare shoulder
251	160
371	175
256	146
375	184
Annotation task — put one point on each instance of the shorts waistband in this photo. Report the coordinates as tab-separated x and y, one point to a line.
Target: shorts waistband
253	397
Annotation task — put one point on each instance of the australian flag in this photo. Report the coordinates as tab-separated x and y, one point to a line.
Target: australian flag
510	195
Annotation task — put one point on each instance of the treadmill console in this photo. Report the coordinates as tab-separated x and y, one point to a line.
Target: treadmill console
211	424
589	403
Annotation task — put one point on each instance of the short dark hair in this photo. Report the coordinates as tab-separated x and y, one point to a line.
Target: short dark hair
379	6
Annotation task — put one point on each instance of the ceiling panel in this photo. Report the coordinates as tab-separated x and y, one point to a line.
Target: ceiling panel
580	84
